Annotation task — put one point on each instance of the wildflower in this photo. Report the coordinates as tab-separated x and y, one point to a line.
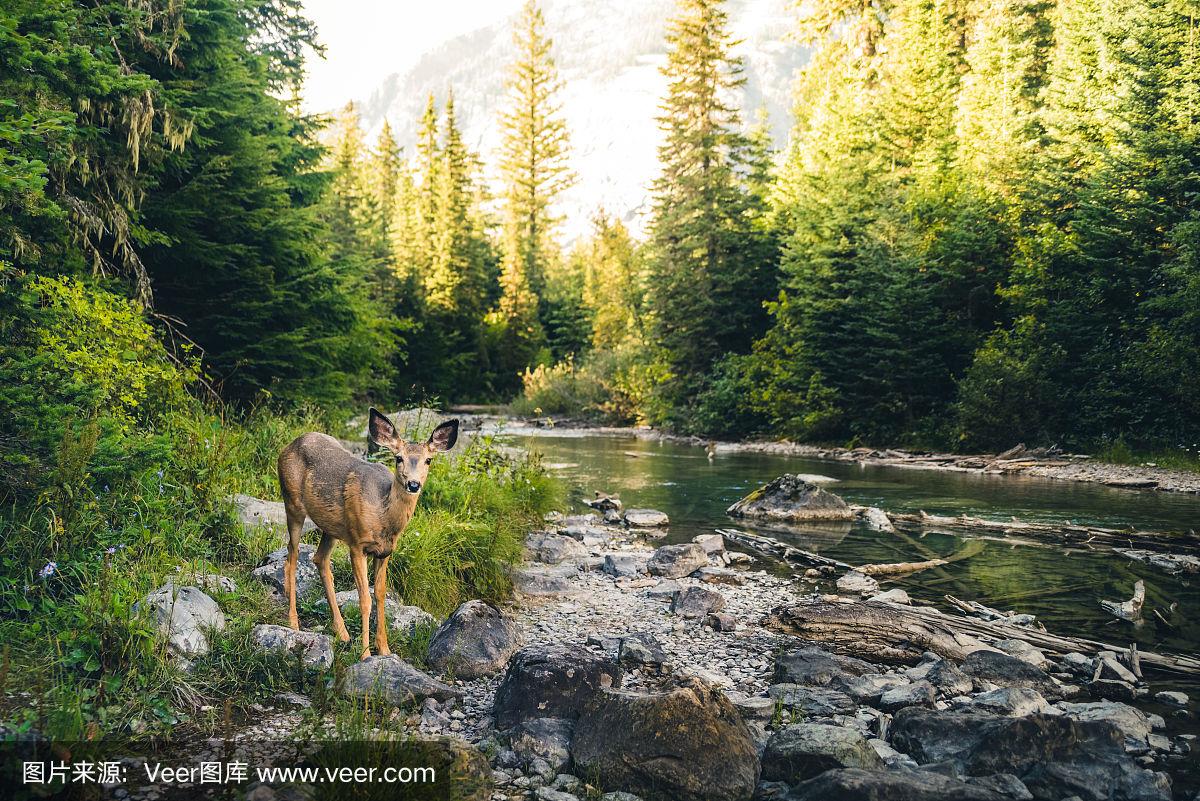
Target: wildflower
110	550
48	570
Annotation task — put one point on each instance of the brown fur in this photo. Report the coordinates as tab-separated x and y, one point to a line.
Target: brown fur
363	504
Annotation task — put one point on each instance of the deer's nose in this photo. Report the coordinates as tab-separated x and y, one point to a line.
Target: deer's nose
413	486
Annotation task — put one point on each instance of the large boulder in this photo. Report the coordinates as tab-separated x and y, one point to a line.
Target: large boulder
183	617
812	701
1009	671
392	680
855	784
270	572
804	750
315	650
1132	722
551	681
476	640
684	744
676	561
548	739
1054	756
790	498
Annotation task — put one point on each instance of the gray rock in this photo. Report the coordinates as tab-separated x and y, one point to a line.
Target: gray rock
1023	651
1113	690
695	602
721	621
789	499
270	572
869	689
804	750
893	596
214	582
646	518
816	666
551	681
1008	671
316	650
919	693
1133	723
1172	698
664	590
853	784
1054	756
550	794
476	640
854	582
948	679
547	581
257	513
676	561
620	796
812	701
641	650
392	680
1011	701
548	739
1005	784
553	549
625	564
686	744
1080	666
183	616
719	575
711	543
752	708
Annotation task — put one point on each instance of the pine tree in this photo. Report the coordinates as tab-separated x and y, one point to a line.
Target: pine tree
710	267
386	164
534	171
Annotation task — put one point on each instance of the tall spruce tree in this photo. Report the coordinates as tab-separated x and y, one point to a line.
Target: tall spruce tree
711	267
534	171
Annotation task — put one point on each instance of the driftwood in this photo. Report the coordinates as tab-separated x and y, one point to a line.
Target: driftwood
900	568
976	609
773	547
1131	609
892	634
1068	533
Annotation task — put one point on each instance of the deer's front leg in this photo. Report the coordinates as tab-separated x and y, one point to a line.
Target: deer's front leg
381	630
358	560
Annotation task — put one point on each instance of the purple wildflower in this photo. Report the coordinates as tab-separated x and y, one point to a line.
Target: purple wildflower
48	570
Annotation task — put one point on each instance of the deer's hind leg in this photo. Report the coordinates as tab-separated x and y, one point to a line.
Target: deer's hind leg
321	558
295	525
358	560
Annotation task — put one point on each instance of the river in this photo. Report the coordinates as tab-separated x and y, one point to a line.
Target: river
1061	585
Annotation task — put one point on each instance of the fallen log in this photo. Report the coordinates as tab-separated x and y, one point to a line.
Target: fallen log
773	547
976	609
891	634
900	568
1128	610
1057	533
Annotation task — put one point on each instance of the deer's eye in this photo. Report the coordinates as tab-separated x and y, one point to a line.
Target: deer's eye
429	460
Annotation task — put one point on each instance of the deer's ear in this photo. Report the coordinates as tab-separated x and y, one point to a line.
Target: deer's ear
444	436
380	432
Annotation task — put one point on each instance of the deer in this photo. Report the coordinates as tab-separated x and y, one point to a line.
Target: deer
362	503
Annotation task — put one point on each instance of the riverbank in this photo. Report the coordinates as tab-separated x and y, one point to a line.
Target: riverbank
1016	461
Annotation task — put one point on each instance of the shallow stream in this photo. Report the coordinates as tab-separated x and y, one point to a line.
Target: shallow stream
1061	585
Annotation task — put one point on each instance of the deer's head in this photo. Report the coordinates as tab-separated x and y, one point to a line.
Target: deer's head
412	458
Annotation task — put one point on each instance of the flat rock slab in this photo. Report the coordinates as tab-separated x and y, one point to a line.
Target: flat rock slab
544	581
646	518
316	650
812	701
183	617
392	680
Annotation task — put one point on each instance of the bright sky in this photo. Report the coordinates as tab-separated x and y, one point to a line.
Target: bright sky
367	40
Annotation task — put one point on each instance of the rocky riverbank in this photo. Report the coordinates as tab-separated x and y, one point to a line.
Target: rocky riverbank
1037	462
624	671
